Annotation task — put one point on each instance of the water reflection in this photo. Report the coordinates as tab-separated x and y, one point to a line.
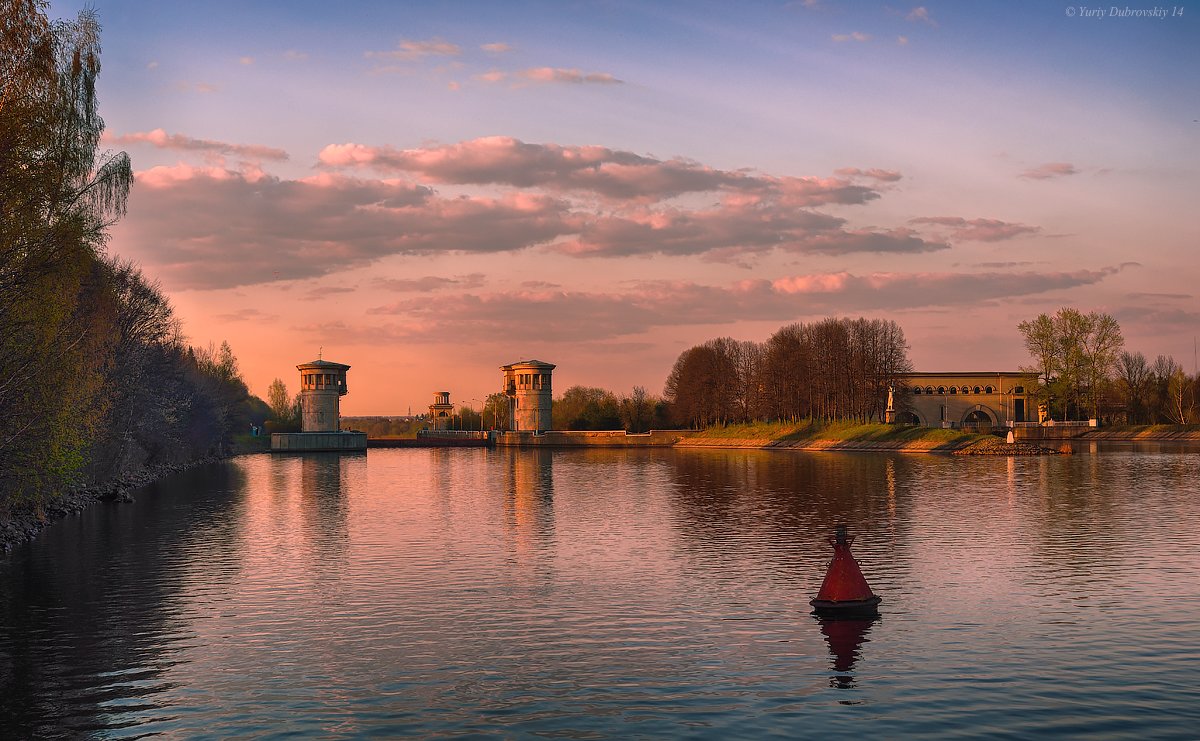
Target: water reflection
778	508
324	506
529	495
432	593
90	631
845	637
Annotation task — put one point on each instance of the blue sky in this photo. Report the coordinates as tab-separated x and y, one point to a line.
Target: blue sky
861	159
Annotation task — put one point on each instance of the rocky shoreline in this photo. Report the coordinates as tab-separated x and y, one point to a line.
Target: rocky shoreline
996	446
24	524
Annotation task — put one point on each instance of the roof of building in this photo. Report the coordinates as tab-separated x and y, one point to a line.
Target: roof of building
322	364
529	364
973	374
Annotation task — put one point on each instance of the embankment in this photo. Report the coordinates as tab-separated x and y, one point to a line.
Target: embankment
1143	433
850	437
24	523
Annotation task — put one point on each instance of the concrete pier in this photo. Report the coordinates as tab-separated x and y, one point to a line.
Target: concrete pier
302	442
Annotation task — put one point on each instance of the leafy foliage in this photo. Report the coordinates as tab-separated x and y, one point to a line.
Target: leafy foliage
95	377
832	369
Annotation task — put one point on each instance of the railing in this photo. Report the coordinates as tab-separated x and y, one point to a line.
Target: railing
468	434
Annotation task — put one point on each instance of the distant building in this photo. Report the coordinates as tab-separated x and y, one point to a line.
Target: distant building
970	399
527	386
441	410
322	384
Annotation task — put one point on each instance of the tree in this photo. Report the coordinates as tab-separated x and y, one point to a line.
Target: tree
1074	354
586	408
279	400
1101	348
1135	381
58	196
637	410
495	411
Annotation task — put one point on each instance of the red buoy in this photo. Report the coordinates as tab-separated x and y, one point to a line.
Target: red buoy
845	591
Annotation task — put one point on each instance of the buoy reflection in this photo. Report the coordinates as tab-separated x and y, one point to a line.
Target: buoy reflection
845	637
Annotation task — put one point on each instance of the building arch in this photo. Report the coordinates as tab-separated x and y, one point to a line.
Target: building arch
980	415
909	417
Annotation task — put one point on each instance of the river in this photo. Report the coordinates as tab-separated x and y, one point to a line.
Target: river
610	594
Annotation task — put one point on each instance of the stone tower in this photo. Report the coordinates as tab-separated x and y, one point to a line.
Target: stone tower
527	385
440	411
322	385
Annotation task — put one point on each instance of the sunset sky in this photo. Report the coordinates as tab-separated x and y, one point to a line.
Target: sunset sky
430	190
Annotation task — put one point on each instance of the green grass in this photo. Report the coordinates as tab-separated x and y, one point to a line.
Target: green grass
813	431
1148	430
246	443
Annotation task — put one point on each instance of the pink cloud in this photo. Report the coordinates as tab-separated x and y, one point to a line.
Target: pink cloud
920	14
248	315
609	173
548	75
410	50
212	228
181	142
875	173
556	315
572	76
1050	170
209	227
496	48
855	36
430	283
978	230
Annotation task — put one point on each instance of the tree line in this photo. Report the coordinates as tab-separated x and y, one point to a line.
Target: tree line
1084	371
96	377
833	369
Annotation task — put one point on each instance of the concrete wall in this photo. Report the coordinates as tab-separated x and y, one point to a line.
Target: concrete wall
533	409
591	439
299	442
319	410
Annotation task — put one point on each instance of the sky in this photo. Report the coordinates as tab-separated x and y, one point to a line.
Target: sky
427	191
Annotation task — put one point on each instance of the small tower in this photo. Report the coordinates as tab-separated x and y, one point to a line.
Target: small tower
322	385
440	411
527	385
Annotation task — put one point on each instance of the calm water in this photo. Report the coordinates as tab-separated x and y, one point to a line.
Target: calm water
591	594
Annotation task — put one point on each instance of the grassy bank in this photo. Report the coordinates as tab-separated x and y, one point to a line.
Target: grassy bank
791	434
1145	432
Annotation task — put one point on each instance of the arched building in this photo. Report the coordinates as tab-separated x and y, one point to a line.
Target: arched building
969	399
527	386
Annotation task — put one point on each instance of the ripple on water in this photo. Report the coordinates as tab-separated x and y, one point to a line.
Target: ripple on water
611	593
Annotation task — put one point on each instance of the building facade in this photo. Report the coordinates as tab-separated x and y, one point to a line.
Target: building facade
527	386
322	384
970	399
441	411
